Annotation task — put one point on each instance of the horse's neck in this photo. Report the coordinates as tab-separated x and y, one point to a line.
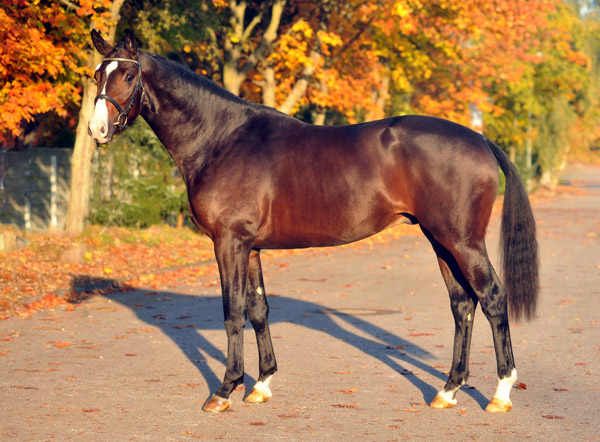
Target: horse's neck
190	118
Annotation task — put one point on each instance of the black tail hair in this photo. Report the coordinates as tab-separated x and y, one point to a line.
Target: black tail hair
518	243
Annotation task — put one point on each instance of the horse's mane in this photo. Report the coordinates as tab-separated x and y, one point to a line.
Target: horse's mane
174	69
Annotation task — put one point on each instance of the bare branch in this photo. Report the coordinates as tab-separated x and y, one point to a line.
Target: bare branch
69	5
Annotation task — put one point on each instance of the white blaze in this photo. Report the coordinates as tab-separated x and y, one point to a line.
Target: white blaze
100	116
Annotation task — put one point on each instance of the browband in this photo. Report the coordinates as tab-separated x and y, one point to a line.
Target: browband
123	59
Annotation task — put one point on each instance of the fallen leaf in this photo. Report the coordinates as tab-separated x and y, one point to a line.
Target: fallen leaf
62	344
257	424
91	410
345	405
350	390
147	330
565	302
520	386
289	416
552	416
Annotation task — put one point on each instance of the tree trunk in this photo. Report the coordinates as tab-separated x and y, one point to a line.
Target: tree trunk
380	97
268	87
528	165
81	161
551	178
320	118
237	64
301	85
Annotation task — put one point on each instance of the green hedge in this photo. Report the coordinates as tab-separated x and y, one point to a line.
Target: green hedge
136	182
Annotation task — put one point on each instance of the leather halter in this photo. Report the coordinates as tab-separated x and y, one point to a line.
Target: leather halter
123	113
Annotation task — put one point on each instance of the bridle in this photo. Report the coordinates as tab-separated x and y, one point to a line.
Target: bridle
123	113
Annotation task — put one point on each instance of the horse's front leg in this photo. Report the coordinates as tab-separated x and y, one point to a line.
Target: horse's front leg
258	313
232	258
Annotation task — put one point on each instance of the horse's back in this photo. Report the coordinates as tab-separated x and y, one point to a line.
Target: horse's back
333	185
298	185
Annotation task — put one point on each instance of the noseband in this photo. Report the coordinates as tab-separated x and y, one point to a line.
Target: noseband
123	113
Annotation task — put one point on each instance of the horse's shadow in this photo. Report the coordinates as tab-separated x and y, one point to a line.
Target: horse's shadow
183	318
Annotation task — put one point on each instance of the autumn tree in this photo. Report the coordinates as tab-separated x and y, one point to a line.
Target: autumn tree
274	52
104	17
39	62
539	108
586	35
46	63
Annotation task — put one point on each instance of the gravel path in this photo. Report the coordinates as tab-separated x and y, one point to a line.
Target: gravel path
363	336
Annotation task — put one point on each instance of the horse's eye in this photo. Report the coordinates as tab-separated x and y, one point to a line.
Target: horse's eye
129	78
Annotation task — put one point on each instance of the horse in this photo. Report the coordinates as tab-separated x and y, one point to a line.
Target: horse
259	179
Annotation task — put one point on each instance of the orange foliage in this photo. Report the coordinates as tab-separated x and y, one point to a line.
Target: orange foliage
441	56
445	54
42	51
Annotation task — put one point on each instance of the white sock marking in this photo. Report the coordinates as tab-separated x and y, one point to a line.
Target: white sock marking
505	385
263	386
448	396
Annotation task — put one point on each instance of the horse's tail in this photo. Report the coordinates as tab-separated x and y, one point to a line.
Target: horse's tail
518	243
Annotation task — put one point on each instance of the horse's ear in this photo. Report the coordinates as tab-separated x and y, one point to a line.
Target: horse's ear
101	45
131	43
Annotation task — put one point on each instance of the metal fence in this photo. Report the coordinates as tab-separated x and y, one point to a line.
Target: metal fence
34	188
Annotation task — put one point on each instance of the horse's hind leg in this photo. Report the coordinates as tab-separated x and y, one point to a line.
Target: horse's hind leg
495	309
463	303
474	265
258	312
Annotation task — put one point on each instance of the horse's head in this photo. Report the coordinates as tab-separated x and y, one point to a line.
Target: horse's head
120	91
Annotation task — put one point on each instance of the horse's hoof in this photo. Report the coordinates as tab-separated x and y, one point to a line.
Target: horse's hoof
498	406
216	404
440	402
258	396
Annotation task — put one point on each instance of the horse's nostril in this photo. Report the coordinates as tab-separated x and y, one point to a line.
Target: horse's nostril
103	130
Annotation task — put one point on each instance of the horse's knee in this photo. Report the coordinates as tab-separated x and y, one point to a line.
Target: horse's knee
235	325
258	311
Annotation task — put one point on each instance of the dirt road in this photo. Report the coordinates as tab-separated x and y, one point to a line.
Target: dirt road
363	337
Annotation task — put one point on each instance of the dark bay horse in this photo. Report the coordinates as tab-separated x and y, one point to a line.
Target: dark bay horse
259	179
